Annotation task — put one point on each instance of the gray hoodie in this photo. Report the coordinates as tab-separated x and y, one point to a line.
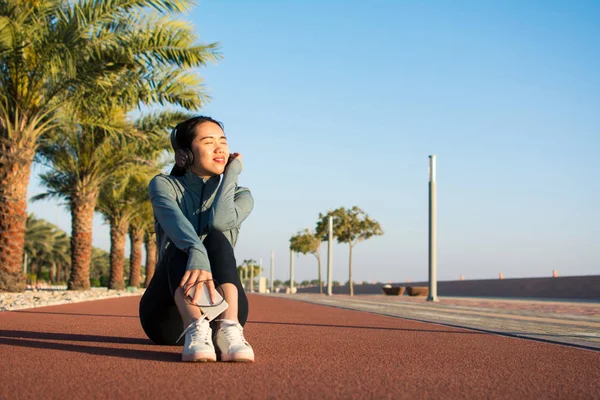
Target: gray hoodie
186	208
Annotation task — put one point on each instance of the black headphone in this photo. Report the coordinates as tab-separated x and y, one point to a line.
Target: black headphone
184	158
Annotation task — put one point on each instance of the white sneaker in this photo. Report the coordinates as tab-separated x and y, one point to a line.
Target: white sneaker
198	344
231	342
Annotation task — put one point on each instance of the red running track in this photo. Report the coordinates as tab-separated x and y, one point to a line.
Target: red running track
304	351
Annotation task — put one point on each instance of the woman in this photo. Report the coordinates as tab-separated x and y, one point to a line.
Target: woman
197	220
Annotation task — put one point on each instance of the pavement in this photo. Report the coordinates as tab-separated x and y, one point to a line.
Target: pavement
97	350
569	323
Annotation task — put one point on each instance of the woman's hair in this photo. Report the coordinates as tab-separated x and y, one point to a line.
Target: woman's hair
184	135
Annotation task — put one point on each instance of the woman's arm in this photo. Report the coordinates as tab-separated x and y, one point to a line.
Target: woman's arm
176	226
232	204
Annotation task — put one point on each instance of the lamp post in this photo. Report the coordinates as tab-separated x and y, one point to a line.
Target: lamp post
432	296
330	257
291	271
272	270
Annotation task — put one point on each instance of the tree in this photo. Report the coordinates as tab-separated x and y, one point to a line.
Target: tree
306	242
54	51
147	216
139	225
100	268
249	268
123	195
46	247
350	226
48	252
85	158
143	221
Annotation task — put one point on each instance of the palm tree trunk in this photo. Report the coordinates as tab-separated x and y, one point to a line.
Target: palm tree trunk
118	235
14	179
38	273
82	216
151	257
136	237
350	273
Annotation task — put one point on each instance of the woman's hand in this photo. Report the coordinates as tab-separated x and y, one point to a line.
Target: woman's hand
232	157
201	277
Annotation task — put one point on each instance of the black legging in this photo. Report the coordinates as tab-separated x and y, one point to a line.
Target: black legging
158	313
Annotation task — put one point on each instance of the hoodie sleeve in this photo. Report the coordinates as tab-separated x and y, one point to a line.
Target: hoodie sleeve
232	203
174	223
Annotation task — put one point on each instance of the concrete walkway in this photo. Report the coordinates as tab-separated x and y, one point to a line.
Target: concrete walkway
571	323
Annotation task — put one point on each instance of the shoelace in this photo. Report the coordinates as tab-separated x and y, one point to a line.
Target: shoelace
234	334
199	331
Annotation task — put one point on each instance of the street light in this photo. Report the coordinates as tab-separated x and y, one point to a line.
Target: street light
330	257
432	296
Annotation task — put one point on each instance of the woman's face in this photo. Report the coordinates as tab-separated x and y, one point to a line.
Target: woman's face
210	150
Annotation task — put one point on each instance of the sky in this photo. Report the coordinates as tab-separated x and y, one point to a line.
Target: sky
335	104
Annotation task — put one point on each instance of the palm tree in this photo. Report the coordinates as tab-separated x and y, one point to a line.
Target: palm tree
87	157
139	225
143	224
145	220
100	264
57	51
114	204
123	192
46	247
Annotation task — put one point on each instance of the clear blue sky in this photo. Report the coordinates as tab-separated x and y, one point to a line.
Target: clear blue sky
340	103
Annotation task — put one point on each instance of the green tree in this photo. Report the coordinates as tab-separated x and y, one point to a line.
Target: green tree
47	248
142	224
250	268
138	228
306	242
86	158
114	202
56	51
145	217
100	268
350	226
123	193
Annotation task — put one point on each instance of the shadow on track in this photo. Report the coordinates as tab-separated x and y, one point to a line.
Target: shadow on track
19	340
462	331
72	337
76	314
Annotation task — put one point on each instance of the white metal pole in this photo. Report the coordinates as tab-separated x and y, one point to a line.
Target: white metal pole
272	270
291	271
432	296
330	257
251	278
